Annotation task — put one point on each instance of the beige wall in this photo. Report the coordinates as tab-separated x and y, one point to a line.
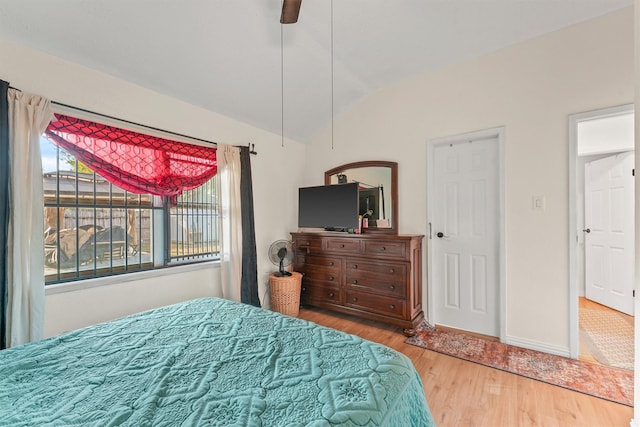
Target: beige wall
530	88
119	296
275	171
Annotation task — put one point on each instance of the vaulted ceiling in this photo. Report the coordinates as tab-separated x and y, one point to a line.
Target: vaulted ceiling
235	58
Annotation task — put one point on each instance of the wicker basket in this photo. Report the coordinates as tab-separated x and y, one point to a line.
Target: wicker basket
285	293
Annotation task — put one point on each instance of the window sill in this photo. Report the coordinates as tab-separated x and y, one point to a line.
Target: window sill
77	285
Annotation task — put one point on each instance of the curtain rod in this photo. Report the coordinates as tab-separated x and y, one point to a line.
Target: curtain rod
60	104
84	110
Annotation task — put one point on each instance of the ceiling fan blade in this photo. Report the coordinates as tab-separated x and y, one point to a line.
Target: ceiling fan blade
290	11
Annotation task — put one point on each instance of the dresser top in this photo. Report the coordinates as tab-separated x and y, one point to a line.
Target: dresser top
365	235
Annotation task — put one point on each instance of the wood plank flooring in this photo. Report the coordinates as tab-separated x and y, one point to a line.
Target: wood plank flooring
462	393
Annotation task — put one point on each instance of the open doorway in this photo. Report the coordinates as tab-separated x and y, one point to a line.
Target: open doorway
601	235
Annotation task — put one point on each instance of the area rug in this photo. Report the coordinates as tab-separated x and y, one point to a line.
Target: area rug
608	337
605	382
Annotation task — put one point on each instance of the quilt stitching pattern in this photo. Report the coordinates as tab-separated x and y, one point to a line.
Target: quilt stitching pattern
209	362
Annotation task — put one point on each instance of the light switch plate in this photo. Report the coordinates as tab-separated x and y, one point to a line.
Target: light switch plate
539	203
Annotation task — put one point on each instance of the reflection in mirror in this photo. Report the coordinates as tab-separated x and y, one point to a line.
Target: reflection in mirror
378	188
375	191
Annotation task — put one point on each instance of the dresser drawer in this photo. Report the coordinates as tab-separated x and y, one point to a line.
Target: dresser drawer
307	245
385	249
313	293
327	262
387	306
351	246
386	278
321	275
386	268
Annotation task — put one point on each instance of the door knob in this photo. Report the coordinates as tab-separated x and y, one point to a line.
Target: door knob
587	230
440	235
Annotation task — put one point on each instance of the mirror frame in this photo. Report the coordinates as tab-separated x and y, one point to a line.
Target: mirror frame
394	188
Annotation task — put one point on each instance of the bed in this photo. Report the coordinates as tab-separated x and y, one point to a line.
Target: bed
209	362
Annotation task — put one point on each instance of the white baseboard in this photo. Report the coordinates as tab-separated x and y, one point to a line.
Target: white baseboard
633	423
538	346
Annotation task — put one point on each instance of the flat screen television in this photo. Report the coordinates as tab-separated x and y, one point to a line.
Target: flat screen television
332	207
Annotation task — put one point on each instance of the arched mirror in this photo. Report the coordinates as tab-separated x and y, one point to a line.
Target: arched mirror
378	182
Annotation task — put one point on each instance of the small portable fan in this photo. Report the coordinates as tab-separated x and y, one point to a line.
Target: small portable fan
281	254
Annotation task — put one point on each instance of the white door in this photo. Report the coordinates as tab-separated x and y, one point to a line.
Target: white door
465	235
609	231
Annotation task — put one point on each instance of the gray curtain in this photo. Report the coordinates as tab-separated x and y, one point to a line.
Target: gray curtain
249	283
4	207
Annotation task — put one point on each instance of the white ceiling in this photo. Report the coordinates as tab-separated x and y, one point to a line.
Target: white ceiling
225	55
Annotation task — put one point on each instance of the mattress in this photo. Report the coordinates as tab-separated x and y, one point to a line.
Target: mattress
209	362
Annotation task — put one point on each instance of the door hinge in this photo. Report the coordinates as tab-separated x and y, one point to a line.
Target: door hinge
633	293
633	172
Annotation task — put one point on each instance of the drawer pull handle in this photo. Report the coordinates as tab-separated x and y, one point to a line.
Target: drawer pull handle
304	289
331	278
330	263
355	299
355	266
392	307
331	294
342	245
383	248
392	270
355	281
392	287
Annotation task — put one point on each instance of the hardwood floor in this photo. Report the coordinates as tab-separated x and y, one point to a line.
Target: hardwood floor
462	393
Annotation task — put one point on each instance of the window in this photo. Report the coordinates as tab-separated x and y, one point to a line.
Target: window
95	228
194	224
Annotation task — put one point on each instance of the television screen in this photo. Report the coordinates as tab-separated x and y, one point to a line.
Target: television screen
328	206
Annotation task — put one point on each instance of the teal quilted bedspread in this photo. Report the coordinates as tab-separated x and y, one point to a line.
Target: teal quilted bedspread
209	362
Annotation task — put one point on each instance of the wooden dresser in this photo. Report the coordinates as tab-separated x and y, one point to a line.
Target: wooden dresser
375	276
